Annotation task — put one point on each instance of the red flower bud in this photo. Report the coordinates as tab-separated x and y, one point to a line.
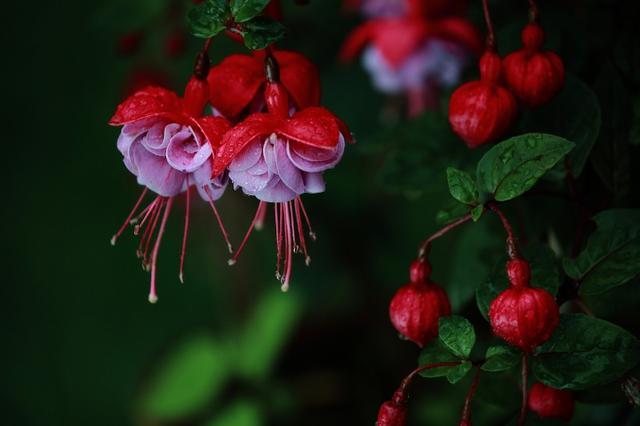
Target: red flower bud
534	76
519	272
465	422
419	271
481	111
416	308
548	402
524	316
392	414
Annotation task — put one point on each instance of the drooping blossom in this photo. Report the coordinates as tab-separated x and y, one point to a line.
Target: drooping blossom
395	8
169	146
243	79
412	54
276	157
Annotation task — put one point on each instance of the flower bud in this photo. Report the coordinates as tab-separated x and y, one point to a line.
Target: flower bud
550	403
534	76
524	316
481	111
415	310
392	414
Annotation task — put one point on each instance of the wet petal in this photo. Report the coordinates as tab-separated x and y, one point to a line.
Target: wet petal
155	172
158	137
287	171
184	154
306	165
276	192
249	183
314	183
248	157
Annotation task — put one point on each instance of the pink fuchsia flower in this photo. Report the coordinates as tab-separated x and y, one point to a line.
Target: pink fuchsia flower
413	54
277	158
169	147
243	79
396	8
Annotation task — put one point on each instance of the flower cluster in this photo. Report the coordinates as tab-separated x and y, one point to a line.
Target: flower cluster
413	46
265	134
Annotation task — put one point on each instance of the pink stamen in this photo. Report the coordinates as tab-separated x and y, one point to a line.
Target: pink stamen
296	248
183	252
152	228
153	296
128	219
262	213
312	234
150	209
219	219
278	226
303	241
288	251
234	259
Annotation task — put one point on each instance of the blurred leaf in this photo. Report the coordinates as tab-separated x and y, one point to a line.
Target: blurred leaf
457	334
477	212
612	254
500	358
455	374
266	333
584	352
573	114
190	377
452	212
243	10
261	32
461	186
544	274
240	413
512	167
208	18
436	352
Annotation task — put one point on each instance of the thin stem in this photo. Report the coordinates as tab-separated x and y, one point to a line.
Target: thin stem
234	259
400	394
466	411
491	38
207	44
187	212
533	11
426	244
128	219
153	295
525	376
512	247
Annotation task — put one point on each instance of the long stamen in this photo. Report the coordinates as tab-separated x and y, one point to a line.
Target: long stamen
150	210
303	241
234	259
312	234
262	209
295	247
278	222
128	219
288	252
183	252
218	218
154	211
152	228
153	296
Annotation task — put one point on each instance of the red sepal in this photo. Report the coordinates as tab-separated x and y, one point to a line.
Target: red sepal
315	126
254	126
459	30
196	96
234	83
213	128
357	40
300	77
149	102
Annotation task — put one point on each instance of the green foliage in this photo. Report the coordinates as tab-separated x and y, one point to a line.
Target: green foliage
544	274
244	10
461	186
584	352
512	167
612	254
190	376
500	358
241	413
454	344
261	32
208	18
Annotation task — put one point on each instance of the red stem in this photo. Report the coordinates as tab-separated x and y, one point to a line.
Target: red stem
525	376
512	248
466	411
426	244
399	397
491	38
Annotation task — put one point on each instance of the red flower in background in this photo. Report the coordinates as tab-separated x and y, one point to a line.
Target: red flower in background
240	78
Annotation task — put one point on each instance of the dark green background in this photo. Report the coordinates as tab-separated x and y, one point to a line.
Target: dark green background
80	343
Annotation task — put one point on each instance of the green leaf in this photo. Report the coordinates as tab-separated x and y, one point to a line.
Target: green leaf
243	10
461	186
266	332
458	372
261	32
584	352
544	274
477	212
612	253
457	334
512	167
240	413
436	352
500	358
208	18
451	213
187	380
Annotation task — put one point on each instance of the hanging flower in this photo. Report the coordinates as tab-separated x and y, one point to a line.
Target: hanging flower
412	54
394	8
243	79
169	147
276	157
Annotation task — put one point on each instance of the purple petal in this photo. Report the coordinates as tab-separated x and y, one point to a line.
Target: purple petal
268	153
287	171
140	126
314	183
248	157
307	165
158	137
184	153
248	182
276	192
155	173
259	168
214	188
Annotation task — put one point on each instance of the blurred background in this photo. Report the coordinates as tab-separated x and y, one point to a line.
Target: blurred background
80	342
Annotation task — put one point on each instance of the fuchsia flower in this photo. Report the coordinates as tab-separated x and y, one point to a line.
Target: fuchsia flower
395	8
411	53
243	80
277	157
169	147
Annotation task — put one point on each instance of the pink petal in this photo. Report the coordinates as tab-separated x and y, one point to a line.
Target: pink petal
307	165
248	157
155	172
287	171
314	183
184	153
